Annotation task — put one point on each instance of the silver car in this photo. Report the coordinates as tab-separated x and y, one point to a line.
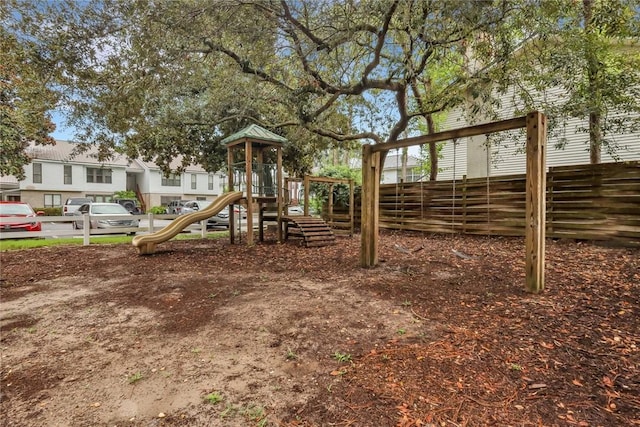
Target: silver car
96	210
219	220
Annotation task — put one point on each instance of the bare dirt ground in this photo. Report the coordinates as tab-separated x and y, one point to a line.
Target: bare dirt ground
205	333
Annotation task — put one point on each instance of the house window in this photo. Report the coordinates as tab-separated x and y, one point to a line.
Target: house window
13	198
413	175
172	180
67	174
194	181
37	173
52	200
210	186
99	176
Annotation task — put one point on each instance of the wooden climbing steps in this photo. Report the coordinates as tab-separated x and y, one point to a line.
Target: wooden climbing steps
313	231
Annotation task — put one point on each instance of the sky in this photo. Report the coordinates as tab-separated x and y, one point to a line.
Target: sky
62	132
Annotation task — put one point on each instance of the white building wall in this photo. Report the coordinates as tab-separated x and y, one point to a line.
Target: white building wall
507	149
53	182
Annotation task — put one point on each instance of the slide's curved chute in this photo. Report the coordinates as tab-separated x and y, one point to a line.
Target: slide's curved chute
146	243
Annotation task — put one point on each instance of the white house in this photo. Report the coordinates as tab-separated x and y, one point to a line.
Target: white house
506	151
56	174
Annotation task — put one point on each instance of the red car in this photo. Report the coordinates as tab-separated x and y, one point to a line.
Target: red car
18	209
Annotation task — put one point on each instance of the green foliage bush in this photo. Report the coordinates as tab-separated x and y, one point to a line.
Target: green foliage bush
320	191
157	210
125	194
50	211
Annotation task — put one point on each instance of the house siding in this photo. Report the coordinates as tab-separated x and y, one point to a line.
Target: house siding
53	182
145	177
507	150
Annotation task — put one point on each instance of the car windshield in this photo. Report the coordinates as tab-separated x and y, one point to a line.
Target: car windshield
109	209
17	209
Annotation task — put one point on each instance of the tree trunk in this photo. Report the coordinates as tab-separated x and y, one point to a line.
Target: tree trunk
433	149
594	86
404	158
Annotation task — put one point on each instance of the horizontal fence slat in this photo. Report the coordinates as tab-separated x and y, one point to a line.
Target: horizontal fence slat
591	202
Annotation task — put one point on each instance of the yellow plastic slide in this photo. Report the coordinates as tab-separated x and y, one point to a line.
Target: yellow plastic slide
146	243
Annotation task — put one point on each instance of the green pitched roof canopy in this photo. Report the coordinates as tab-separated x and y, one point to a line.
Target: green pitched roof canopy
254	133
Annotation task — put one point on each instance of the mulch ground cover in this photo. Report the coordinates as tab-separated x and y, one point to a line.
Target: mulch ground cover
486	352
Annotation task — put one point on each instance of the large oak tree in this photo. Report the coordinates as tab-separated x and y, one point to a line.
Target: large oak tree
169	79
25	103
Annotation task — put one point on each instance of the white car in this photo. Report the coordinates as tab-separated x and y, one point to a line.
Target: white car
295	210
119	216
219	220
194	206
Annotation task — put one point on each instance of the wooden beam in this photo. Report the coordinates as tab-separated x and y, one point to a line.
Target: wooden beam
516	123
306	195
230	182
327	180
248	158
370	209
352	201
280	195
535	201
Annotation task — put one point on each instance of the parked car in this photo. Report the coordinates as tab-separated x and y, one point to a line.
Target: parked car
22	210
96	210
175	207
194	206
219	220
72	204
237	209
130	204
295	210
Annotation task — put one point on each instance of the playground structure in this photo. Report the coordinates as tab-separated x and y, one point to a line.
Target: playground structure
535	124
338	221
146	243
256	182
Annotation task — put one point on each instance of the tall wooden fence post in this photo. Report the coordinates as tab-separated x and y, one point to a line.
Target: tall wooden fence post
370	209
535	201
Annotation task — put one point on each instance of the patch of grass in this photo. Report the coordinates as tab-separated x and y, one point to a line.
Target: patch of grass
228	411
401	331
30	243
406	303
342	357
255	413
195	350
291	355
213	398
515	367
135	378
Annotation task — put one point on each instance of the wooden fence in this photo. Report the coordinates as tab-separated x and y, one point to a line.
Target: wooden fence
591	202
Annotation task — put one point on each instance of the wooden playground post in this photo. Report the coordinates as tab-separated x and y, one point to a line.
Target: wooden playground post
351	208
248	163
370	212
535	209
232	233
306	195
279	195
534	122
